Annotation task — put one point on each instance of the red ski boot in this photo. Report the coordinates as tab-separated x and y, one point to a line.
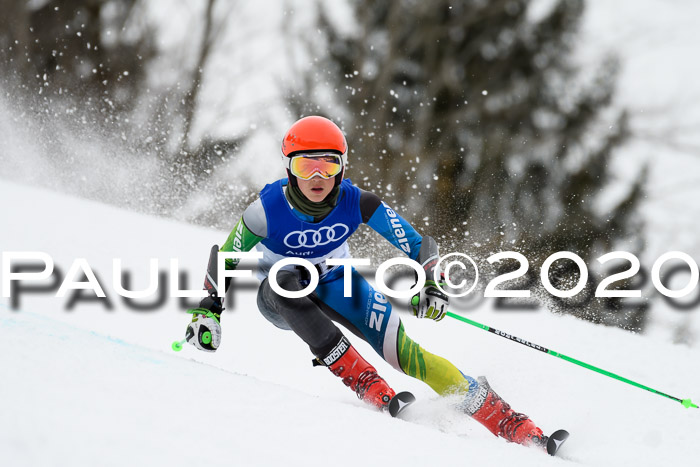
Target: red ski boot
358	374
486	407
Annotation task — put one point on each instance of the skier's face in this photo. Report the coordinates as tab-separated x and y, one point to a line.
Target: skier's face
316	189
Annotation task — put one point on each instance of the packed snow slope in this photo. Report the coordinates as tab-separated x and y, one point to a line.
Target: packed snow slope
93	385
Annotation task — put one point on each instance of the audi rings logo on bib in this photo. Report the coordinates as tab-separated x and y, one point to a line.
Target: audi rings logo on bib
314	238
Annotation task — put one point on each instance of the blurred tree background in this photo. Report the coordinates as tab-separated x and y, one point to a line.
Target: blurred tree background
82	48
88	61
469	116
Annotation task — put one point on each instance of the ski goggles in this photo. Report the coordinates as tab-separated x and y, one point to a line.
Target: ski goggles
307	166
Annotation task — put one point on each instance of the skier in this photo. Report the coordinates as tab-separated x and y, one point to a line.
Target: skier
310	215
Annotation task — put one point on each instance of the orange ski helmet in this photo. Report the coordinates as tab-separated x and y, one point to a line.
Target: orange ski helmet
314	134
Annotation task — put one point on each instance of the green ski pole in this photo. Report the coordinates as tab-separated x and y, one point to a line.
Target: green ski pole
687	403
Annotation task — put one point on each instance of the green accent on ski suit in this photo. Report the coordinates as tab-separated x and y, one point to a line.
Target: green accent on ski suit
441	375
240	240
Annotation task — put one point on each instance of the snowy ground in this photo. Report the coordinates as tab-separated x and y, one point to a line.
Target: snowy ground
94	386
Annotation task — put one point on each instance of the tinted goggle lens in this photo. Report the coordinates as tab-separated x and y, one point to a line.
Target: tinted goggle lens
306	167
